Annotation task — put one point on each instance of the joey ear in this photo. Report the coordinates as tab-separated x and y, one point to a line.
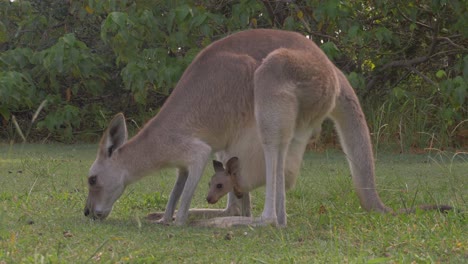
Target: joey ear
114	136
232	166
218	166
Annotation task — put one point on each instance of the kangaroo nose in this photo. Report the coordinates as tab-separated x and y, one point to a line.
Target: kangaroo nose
98	215
210	200
86	211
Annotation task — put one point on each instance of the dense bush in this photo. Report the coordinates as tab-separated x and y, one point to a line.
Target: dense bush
90	59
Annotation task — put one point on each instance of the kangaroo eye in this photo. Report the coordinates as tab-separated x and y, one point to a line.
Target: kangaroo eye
92	180
219	186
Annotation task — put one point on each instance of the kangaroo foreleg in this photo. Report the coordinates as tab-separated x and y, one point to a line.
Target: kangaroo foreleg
195	173
173	198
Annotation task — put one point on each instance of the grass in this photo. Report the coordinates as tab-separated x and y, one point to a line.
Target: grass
43	190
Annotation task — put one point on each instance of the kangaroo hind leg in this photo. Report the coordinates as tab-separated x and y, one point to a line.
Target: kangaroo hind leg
276	109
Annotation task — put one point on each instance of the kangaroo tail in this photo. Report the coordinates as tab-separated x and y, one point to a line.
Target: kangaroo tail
427	207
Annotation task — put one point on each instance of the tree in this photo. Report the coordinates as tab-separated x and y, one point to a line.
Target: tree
93	58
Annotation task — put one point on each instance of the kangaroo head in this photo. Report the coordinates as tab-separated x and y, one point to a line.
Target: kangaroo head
224	180
106	180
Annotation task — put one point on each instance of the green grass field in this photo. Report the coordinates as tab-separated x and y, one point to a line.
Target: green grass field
43	191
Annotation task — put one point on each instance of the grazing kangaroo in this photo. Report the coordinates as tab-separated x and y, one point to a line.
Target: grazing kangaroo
257	88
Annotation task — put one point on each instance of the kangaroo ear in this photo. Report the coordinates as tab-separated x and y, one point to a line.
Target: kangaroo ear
218	166
114	136
233	166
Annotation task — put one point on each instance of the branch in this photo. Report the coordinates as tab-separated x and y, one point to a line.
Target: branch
276	17
270	11
398	63
321	35
404	63
416	22
427	79
408	63
445	53
304	23
453	43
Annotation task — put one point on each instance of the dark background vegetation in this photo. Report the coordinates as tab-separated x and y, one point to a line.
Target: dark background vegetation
407	60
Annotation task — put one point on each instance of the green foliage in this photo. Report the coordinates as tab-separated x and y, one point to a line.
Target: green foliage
391	53
61	69
63	120
103	57
65	70
71	59
18	91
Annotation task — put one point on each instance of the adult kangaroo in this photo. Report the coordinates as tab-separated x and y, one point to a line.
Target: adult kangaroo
262	88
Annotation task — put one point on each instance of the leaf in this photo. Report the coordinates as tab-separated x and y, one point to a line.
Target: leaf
461	91
441	74
331	8
197	20
356	80
465	68
253	22
69	39
89	10
180	38
170	20
330	49
58	58
182	12
5	113
300	14
368	64
383	34
68	94
244	19
207	31
288	23
119	18
3	33
399	93
461	94
353	31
